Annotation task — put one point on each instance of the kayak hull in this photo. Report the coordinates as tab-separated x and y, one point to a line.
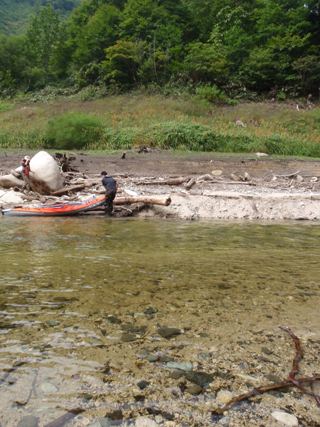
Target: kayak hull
58	209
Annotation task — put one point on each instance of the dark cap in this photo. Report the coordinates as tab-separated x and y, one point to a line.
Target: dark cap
104	173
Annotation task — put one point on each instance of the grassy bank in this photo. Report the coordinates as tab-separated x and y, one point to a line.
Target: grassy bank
126	121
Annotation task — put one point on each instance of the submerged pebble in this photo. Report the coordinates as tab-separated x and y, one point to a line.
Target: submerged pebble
29	421
285	419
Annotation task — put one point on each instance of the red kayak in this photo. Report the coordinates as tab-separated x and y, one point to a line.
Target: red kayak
58	209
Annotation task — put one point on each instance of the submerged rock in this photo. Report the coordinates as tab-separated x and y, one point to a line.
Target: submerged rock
29	421
202	379
145	422
182	366
168	333
285	419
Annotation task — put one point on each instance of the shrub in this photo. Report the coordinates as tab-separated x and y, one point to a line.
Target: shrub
175	135
73	131
212	94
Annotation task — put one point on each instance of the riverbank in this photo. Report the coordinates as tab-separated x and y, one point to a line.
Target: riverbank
183	121
204	185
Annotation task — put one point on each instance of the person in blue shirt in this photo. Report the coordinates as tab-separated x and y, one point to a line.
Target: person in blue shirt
110	184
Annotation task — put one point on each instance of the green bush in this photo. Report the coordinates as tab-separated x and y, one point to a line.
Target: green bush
73	131
4	106
213	94
287	147
194	137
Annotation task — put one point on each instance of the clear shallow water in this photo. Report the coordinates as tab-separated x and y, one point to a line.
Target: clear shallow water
62	279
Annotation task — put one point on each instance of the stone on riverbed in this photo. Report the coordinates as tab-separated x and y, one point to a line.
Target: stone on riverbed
168	333
285	419
145	422
224	396
29	421
182	366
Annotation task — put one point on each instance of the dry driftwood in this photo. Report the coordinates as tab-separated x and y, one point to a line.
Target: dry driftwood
162	201
67	190
170	181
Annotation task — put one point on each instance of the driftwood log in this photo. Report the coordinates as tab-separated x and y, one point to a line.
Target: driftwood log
67	190
162	201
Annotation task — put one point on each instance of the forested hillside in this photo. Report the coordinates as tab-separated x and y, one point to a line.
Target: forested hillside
217	48
14	14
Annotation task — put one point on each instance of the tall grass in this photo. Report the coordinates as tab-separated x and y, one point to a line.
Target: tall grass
183	122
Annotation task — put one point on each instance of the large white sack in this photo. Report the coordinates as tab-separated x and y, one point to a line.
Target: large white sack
45	175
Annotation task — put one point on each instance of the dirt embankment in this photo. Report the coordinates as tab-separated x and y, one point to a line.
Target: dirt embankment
212	186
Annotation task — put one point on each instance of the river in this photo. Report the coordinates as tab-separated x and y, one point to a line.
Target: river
83	301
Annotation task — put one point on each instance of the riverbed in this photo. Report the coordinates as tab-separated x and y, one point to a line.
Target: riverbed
120	319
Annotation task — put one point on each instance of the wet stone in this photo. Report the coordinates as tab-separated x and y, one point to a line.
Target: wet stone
194	389
143	384
52	323
182	366
128	337
48	388
29	421
145	422
168	333
202	379
113	319
150	311
285	419
176	374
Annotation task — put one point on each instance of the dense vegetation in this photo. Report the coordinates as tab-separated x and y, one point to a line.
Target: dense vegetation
186	122
15	14
217	48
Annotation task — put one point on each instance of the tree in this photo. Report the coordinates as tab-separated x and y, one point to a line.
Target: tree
44	40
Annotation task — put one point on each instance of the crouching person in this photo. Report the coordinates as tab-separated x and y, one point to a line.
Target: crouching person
110	184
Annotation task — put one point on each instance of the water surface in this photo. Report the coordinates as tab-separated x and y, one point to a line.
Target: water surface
80	294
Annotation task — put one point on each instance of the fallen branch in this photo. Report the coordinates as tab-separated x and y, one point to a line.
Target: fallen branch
290	175
67	190
162	201
291	381
171	181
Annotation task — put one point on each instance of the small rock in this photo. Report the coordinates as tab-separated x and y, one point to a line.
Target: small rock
145	422
246	176
299	178
48	388
150	311
143	384
176	374
194	389
262	154
128	337
224	396
52	323
234	177
314	179
168	333
113	319
285	419
216	173
182	366
202	379
29	421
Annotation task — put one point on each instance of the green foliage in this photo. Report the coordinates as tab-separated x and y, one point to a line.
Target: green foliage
213	94
247	48
15	14
122	62
4	106
73	131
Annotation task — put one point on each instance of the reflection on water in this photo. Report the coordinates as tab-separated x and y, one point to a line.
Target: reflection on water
77	293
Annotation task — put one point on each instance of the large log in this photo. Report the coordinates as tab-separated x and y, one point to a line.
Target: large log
157	200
